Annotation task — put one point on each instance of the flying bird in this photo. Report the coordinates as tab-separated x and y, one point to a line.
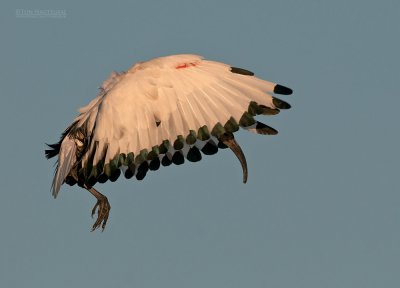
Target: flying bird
161	112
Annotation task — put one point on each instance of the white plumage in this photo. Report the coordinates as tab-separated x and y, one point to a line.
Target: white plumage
182	99
160	100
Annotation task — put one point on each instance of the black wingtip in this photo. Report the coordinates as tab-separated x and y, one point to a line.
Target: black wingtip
241	71
263	129
280	104
279	89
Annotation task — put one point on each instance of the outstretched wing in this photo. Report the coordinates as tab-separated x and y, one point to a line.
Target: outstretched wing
169	109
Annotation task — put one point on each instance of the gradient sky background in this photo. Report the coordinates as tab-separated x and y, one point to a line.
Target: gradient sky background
322	204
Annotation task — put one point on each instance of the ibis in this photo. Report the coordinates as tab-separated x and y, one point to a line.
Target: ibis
164	111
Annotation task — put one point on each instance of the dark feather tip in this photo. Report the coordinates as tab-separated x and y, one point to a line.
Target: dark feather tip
279	89
241	71
178	158
142	171
115	175
154	164
128	173
210	148
193	154
280	104
165	161
263	129
103	178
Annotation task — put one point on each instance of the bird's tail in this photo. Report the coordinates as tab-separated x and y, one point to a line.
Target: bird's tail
66	160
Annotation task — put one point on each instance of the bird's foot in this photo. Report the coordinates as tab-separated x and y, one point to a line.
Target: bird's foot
103	210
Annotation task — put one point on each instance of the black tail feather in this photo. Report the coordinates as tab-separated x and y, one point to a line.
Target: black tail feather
55	148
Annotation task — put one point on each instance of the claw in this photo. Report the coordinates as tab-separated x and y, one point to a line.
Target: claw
94	209
102	206
229	140
103	210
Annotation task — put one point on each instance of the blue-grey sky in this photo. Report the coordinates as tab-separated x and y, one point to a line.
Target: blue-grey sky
322	204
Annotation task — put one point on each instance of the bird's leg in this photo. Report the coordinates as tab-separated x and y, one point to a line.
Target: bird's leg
102	205
229	140
103	208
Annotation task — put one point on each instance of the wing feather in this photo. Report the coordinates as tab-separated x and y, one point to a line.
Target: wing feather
166	97
66	160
